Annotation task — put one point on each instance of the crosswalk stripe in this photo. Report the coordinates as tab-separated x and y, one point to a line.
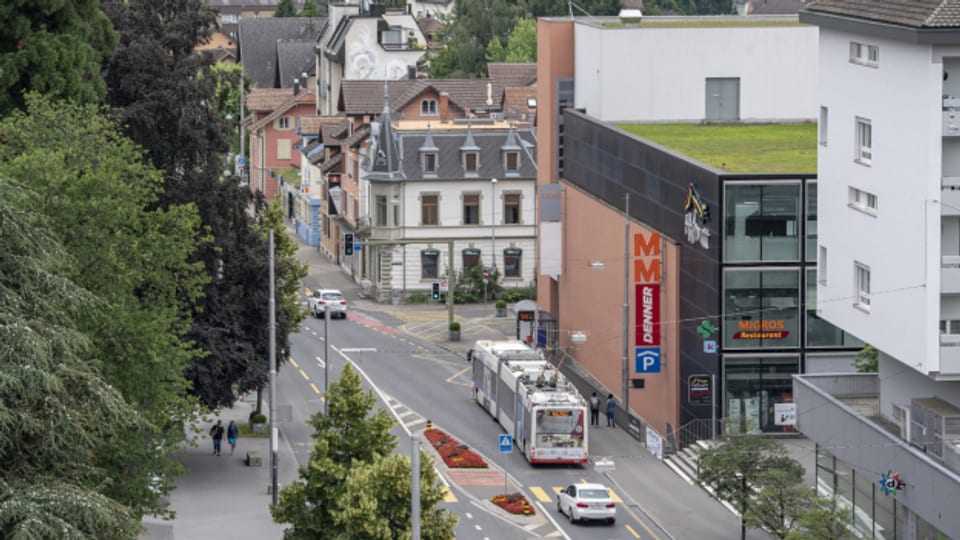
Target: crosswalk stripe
540	494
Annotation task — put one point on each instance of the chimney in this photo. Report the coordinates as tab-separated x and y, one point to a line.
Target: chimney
411	72
296	87
444	104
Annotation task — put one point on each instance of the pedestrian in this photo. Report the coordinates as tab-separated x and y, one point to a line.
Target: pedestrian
232	432
594	410
217	433
611	407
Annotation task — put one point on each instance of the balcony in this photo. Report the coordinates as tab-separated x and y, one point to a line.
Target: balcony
385	233
838	412
950	196
949	274
950	354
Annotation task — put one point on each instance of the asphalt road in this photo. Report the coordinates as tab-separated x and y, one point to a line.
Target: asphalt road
418	381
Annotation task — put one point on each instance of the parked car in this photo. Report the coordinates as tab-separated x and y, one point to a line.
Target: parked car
329	301
581	502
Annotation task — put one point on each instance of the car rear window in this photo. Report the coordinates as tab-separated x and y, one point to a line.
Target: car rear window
332	296
594	494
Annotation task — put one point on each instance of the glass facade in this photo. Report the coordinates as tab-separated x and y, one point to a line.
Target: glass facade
753	385
872	513
761	308
761	222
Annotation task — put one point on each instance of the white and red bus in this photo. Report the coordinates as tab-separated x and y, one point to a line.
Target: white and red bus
532	400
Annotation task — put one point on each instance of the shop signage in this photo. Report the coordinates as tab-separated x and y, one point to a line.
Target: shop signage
647	273
784	414
696	218
760	329
698	389
654	443
890	483
710	346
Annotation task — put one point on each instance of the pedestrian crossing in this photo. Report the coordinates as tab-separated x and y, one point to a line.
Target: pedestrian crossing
542	495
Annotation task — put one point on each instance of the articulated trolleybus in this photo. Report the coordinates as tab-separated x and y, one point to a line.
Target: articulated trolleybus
532	400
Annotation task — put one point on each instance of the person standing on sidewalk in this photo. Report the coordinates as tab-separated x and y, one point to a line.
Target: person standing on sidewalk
232	432
611	408
594	410
217	433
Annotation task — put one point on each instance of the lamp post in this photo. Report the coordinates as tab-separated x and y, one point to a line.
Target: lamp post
625	361
493	219
743	503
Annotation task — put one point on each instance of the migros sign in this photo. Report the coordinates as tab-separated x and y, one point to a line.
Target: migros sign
761	329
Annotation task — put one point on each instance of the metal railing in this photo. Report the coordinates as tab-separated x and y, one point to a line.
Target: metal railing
700	429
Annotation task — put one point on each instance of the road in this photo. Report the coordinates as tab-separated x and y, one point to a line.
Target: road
418	381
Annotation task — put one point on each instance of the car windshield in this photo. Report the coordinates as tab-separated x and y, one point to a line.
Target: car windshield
594	494
332	296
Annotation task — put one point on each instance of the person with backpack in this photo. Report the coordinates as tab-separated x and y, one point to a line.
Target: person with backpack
594	410
217	433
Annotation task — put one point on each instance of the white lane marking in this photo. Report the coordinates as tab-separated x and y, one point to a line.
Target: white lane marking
320	361
383	397
544	513
478	527
358	349
469	515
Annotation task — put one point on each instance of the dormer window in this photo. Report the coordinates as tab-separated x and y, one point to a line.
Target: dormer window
428	107
429	162
471	162
511	161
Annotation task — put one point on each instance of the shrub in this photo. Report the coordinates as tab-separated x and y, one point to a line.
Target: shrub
501	304
257	418
515	503
418	298
453	453
455	326
515	295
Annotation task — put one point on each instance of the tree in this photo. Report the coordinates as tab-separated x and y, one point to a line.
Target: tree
285	8
376	502
735	469
155	78
348	437
55	410
97	193
826	520
522	43
310	9
226	100
286	263
52	47
475	23
780	503
867	360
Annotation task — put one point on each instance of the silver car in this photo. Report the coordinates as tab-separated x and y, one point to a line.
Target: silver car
581	502
329	301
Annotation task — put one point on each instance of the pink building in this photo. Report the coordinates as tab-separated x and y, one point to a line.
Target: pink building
272	124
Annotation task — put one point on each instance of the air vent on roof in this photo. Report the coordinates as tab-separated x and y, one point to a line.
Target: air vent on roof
630	16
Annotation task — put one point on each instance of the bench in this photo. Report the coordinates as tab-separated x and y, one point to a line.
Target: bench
254	459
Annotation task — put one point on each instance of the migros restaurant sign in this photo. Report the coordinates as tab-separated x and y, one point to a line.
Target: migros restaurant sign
762	329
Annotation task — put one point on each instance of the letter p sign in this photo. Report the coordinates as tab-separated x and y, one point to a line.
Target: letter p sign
648	359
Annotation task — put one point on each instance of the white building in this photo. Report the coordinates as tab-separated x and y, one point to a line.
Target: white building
691	69
889	261
466	183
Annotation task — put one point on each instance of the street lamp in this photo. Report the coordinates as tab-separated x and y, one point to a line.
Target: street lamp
743	503
493	219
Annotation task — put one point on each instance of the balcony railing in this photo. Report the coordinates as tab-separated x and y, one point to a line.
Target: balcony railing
827	413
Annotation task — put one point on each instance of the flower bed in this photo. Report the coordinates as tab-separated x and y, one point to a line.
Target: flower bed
454	454
515	503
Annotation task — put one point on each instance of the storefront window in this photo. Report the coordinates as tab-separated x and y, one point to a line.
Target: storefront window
753	386
761	222
761	309
821	333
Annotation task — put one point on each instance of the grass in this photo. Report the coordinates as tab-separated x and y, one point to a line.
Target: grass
741	148
697	22
245	431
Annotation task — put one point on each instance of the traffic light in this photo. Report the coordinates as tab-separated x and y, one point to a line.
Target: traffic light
436	291
348	243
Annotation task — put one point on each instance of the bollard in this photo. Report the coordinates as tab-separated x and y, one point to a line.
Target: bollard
429	424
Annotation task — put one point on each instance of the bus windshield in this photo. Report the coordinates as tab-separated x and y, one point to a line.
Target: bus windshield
559	427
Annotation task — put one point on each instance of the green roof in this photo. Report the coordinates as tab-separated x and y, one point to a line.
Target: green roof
740	148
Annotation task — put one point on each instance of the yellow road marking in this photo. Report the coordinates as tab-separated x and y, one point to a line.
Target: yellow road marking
633	532
457	374
540	494
304	375
448	495
294	362
315	389
557	489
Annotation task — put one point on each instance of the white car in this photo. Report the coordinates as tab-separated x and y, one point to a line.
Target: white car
581	502
329	301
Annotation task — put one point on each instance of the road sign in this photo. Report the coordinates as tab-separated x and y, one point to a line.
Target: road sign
648	359
506	443
710	346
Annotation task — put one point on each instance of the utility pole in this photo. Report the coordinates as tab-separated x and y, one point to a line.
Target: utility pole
273	380
242	142
326	356
625	361
415	486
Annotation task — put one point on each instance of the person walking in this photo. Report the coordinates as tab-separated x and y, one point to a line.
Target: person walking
217	433
611	408
594	410
232	432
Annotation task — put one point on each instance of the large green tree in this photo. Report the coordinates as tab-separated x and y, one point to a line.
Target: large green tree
521	44
285	8
53	47
166	99
826	520
98	194
780	503
56	412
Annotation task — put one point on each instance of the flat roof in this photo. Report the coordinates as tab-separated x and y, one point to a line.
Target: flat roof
739	148
693	21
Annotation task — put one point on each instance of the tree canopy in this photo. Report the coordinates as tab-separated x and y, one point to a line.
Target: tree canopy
56	412
285	8
52	47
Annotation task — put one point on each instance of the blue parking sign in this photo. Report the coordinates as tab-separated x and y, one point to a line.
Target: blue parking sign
506	443
648	359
